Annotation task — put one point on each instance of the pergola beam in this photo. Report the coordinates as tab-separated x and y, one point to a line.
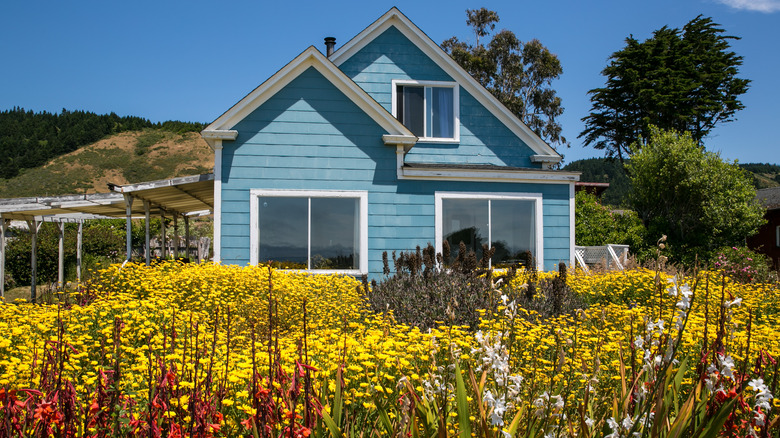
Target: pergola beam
61	256
129	230
3	228
35	225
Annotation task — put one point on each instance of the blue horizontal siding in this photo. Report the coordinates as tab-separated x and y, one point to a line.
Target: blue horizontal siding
309	136
483	138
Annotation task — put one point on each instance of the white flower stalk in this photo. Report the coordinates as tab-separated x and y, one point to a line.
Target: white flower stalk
724	367
620	429
763	395
498	406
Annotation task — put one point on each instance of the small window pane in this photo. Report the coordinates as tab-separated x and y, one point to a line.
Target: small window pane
442	118
284	231
412	109
465	220
513	231
335	237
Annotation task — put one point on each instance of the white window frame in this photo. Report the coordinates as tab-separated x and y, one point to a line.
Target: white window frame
777	236
254	224
538	224
432	84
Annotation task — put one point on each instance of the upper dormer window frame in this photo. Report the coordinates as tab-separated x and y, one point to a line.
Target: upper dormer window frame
426	85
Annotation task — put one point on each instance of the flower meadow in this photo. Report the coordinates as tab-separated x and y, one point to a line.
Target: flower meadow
186	350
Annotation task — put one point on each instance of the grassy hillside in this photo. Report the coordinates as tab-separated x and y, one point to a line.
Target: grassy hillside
128	157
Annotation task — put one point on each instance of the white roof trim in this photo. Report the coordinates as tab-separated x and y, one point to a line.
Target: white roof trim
310	57
394	17
399	139
489	175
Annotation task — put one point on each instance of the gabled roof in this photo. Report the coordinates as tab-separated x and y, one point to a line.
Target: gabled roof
394	17
310	57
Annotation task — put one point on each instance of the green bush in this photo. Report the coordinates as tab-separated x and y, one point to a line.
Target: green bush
100	239
744	265
597	225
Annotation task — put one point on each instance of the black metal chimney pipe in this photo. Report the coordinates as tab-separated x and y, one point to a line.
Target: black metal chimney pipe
330	44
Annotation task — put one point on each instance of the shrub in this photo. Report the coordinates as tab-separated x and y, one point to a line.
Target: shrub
743	265
550	297
424	291
100	239
597	225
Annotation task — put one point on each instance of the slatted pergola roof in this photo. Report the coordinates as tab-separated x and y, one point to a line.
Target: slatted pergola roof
183	195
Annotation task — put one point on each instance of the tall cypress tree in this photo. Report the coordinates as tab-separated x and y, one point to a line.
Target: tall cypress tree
679	79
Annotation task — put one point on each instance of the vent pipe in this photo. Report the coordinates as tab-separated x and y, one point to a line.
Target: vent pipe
330	44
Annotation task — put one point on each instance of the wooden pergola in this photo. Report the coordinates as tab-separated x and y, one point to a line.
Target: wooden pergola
183	197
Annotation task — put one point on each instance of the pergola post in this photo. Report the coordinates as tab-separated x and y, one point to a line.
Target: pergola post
187	237
3	229
35	225
176	235
162	235
79	238
61	256
146	226
129	231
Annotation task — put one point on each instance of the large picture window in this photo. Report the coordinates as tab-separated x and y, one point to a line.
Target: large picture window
310	230
428	109
510	223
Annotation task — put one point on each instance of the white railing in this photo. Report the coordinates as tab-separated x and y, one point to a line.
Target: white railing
610	256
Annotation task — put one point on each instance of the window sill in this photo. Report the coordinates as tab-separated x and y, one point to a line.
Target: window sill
438	140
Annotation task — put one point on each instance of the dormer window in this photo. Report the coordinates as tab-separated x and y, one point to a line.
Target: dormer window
429	109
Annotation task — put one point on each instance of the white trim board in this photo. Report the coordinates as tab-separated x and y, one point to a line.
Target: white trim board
254	223
394	17
538	216
485	175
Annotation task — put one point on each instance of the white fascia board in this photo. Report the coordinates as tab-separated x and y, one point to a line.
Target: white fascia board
403	140
219	134
394	17
489	175
214	137
310	57
545	158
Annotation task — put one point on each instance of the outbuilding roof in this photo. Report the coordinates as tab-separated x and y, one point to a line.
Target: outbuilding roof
769	198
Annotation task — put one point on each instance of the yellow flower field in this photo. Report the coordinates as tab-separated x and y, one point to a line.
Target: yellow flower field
175	345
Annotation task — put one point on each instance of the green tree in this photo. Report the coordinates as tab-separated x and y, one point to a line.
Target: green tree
697	199
518	74
682	80
596	224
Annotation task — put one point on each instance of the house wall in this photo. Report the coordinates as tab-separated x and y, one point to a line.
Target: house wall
765	241
310	136
483	138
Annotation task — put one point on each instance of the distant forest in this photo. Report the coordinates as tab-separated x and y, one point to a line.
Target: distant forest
29	139
603	170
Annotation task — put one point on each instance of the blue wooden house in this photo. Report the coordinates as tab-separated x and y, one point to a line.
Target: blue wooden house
382	145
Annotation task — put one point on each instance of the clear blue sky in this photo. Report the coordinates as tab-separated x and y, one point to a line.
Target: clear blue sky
192	60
